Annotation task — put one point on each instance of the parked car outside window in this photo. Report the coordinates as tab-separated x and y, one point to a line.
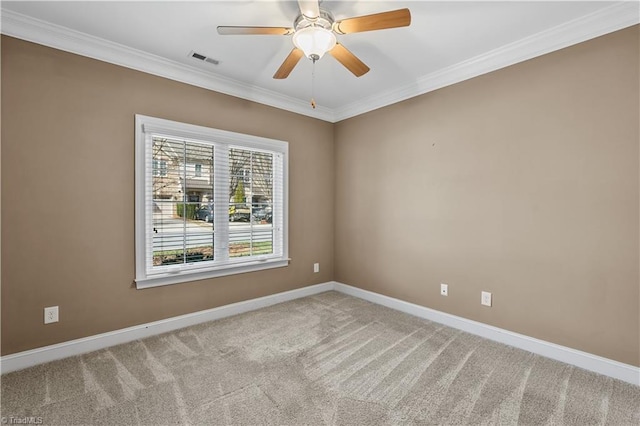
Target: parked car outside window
239	213
262	214
205	213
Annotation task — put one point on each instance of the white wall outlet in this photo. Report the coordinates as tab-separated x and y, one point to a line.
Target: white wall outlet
316	267
50	314
486	298
444	289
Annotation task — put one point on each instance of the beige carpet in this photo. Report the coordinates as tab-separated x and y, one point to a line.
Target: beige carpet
326	359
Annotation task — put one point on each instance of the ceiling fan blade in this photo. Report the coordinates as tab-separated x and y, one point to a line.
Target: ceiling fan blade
378	21
309	8
349	60
255	31
289	64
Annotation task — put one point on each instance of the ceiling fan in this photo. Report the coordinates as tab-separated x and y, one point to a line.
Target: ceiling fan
314	34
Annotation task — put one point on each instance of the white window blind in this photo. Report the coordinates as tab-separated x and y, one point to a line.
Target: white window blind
217	208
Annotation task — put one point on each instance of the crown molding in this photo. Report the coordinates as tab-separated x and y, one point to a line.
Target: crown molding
41	32
604	21
612	18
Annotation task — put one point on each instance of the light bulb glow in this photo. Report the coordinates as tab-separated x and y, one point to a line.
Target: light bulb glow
314	41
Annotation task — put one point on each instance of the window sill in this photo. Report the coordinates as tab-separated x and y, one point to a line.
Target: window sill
187	276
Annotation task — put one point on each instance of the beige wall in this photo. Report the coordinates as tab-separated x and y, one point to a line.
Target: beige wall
522	182
68	193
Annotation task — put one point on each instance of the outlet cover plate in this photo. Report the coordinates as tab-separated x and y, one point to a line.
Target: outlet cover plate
316	267
486	298
50	314
444	289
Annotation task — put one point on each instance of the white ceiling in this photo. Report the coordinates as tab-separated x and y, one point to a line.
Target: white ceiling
446	42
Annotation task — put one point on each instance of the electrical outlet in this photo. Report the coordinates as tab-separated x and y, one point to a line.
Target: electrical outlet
50	314
316	267
444	289
486	298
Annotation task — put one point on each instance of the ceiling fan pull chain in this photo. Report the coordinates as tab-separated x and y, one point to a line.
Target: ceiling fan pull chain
313	85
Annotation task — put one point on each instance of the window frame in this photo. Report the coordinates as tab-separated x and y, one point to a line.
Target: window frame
145	129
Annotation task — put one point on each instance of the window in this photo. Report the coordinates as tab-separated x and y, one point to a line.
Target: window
159	167
208	202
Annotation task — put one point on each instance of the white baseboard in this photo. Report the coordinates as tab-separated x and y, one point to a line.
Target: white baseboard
32	357
597	364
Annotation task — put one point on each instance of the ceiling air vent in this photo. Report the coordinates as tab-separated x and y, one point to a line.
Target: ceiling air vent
204	58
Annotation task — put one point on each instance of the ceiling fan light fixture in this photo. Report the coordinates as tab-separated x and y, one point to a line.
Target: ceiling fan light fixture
314	41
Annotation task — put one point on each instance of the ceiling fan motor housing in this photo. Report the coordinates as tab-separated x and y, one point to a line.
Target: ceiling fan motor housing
324	20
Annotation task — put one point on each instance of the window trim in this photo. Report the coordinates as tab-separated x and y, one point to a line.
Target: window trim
145	127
